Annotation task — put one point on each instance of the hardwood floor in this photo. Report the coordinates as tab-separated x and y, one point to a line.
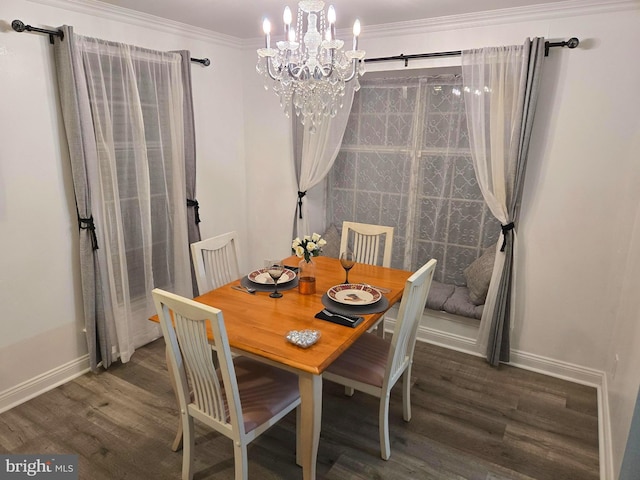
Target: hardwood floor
470	421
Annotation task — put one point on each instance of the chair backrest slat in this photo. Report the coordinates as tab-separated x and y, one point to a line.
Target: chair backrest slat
200	368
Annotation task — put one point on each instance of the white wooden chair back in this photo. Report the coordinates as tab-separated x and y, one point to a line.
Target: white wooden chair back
366	240
190	353
268	393
215	261
403	342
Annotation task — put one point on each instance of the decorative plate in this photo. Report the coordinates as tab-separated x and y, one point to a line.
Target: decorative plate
262	277
354	294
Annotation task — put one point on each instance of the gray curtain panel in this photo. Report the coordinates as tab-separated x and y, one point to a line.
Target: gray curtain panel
498	347
193	218
78	123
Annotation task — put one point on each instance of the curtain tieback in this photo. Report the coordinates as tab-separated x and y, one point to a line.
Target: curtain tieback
87	224
300	197
505	229
196	206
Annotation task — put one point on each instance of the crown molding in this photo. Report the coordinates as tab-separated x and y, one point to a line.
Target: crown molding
570	8
139	19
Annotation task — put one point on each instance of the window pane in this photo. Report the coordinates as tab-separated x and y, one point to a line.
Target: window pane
413	172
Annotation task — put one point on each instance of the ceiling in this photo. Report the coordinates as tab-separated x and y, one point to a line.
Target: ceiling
243	18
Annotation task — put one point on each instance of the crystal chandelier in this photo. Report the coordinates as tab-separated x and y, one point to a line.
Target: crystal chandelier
309	69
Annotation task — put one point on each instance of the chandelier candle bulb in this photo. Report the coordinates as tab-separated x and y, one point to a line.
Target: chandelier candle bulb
266	28
331	16
287	17
356	33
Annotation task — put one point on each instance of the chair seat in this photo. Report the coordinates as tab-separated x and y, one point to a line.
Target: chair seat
264	390
365	361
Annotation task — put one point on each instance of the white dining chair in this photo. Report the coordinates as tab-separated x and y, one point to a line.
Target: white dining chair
215	261
241	399
373	365
364	240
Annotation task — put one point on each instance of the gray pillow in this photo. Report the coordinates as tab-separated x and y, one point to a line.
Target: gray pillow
332	248
478	276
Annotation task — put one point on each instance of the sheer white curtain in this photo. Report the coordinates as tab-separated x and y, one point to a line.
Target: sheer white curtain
138	183
318	152
501	89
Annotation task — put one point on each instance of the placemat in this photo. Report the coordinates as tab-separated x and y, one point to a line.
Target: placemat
380	306
245	282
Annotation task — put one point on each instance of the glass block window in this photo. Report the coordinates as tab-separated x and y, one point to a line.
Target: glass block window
405	162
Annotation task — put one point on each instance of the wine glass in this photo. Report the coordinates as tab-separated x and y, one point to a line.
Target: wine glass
347	260
275	269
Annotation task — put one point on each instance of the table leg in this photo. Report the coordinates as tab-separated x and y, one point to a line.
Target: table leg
311	418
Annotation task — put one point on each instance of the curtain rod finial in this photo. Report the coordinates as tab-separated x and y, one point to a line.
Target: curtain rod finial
18	26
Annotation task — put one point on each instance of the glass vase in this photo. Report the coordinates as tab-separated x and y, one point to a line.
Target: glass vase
307	277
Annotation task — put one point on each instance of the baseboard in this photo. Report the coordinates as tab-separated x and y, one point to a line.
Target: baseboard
604	432
42	383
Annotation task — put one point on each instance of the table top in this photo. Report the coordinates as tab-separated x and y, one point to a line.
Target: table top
259	324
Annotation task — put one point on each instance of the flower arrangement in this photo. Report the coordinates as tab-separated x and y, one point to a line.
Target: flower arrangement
309	246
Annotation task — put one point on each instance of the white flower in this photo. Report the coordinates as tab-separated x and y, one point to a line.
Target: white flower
309	246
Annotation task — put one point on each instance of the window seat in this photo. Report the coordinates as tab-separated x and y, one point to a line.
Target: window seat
453	299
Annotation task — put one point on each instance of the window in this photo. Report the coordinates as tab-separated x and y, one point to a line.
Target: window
405	162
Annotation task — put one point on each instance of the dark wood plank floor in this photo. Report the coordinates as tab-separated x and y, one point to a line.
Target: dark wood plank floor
469	421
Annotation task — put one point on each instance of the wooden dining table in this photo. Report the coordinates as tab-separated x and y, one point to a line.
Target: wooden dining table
257	326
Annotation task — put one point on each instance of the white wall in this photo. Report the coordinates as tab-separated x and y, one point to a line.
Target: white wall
42	319
271	182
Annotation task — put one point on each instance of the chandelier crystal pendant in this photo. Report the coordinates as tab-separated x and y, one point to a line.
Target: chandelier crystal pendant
309	69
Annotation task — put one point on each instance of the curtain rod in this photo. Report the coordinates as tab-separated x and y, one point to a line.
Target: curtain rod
19	26
573	42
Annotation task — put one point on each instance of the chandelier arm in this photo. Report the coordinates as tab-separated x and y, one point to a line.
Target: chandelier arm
325	70
333	50
295	74
269	67
353	71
